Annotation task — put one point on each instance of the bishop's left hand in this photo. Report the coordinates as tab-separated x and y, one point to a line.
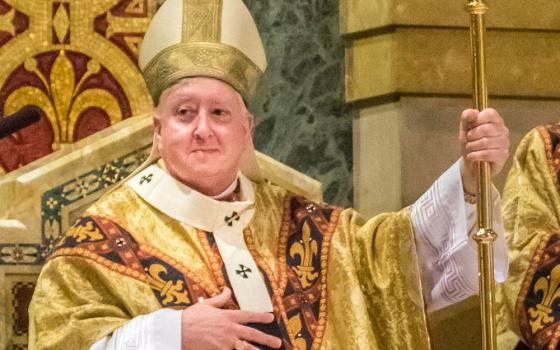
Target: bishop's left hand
484	137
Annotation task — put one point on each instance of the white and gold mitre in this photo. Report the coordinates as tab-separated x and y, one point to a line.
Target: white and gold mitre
211	38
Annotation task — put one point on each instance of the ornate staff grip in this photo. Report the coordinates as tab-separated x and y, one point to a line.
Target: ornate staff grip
485	236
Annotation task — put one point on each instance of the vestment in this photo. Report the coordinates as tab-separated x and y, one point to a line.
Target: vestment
335	280
528	300
99	270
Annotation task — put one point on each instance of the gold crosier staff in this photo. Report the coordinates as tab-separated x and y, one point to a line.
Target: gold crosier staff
485	236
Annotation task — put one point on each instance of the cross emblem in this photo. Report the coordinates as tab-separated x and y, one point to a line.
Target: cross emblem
146	178
243	270
229	219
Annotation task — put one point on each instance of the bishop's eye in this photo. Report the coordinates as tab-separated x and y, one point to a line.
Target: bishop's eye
221	114
185	112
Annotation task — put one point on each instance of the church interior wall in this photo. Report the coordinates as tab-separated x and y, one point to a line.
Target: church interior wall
408	76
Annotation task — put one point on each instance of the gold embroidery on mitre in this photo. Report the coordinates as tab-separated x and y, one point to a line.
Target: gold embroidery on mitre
87	231
307	249
213	60
202	20
541	315
294	327
173	292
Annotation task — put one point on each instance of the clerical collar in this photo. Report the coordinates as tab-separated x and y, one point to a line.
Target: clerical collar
229	193
191	207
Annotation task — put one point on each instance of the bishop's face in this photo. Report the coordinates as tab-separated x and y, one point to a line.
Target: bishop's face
204	128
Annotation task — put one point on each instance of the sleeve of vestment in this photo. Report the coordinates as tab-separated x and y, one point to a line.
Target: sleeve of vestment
444	224
158	330
373	278
78	302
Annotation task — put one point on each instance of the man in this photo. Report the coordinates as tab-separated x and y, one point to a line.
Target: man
528	301
196	252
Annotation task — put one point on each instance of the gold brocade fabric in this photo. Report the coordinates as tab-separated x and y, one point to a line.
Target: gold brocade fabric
337	282
531	221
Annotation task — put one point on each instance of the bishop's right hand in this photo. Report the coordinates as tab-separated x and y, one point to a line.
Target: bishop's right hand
207	326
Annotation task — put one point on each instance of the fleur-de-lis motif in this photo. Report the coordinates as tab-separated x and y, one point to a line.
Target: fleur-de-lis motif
61	99
173	292
307	249
83	232
294	328
541	315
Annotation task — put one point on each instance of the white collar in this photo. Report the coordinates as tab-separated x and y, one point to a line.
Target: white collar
182	203
229	190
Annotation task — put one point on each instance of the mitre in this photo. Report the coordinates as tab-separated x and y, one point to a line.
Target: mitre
204	38
210	38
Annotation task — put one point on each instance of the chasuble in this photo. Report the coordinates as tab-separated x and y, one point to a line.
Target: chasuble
332	279
529	299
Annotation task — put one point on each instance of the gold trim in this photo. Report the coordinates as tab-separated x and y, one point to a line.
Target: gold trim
138	274
545	135
277	300
325	249
202	21
214	60
214	259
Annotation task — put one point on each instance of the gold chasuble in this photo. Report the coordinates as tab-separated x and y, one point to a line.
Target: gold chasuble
335	280
530	298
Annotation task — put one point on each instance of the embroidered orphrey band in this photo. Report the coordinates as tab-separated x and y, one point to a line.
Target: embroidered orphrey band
202	21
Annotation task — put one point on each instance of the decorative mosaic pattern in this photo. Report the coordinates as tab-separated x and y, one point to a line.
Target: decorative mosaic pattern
54	200
21	297
77	63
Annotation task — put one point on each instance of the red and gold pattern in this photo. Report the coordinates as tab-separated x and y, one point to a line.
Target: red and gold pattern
76	60
551	137
299	301
173	284
538	304
538	308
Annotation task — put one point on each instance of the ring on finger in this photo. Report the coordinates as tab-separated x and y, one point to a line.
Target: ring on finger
240	345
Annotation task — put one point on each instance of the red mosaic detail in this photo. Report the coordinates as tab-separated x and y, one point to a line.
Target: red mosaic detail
21	297
26	146
19	21
127	40
36	140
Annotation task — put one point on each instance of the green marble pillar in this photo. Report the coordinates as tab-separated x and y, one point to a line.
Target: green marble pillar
301	116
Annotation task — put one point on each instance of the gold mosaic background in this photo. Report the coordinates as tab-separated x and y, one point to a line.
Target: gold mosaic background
76	60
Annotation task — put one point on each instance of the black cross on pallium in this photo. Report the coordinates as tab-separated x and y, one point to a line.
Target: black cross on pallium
243	270
146	178
229	219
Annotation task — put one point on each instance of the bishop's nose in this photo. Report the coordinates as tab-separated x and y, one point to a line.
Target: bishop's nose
202	129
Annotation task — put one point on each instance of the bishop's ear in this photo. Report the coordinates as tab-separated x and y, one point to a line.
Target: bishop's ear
157	123
251	123
157	131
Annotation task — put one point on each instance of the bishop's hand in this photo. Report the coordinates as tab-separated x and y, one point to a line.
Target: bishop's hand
207	326
484	137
